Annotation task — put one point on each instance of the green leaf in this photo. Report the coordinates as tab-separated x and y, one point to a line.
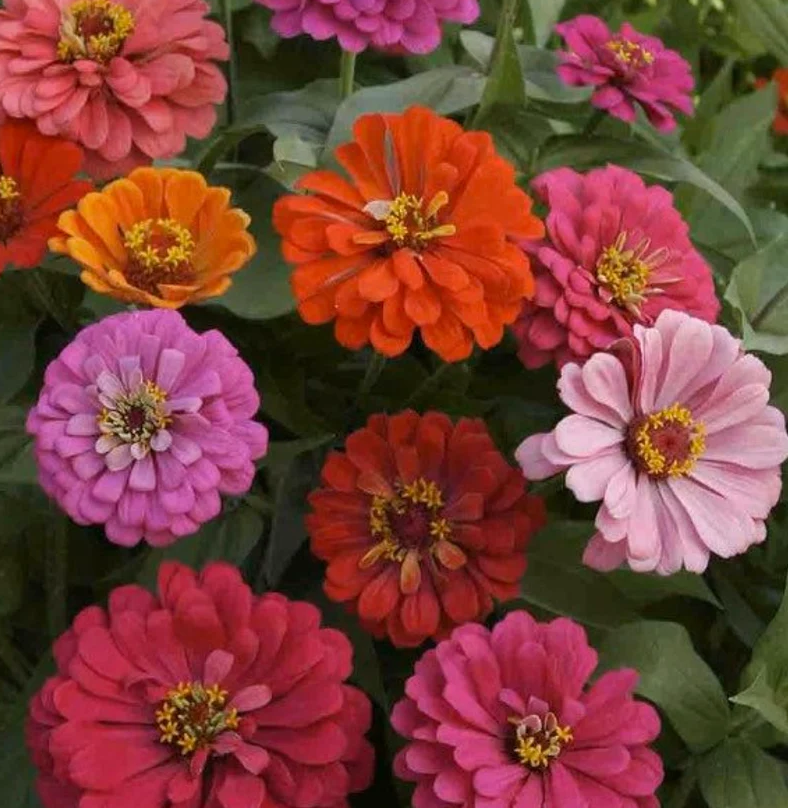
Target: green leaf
674	677
11	584
517	132
761	697
544	15
582	152
18	325
740	775
261	290
644	588
758	289
768	20
17	465
230	537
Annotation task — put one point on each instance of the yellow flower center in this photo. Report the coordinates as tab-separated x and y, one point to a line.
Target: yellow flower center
137	416
191	716
93	29
630	53
410	527
160	252
10	207
625	271
408	222
667	443
539	741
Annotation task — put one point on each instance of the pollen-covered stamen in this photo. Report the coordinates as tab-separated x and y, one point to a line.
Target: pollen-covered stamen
10	207
666	443
624	271
629	53
135	417
160	252
192	716
538	741
409	527
409	223
93	29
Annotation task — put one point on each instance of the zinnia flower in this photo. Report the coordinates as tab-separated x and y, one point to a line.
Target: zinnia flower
627	69
161	237
780	78
402	25
617	253
674	434
422	524
506	718
205	696
36	184
127	79
422	237
142	423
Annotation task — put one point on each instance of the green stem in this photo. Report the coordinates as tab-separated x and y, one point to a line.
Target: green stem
597	116
227	15
507	21
375	366
56	578
347	74
428	385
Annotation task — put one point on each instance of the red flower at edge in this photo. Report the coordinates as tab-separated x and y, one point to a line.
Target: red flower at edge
36	185
780	78
422	523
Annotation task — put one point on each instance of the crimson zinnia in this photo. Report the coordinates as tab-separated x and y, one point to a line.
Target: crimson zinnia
423	236
422	523
203	697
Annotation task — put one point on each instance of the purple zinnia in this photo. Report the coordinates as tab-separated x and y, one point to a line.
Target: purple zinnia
405	25
626	68
142	423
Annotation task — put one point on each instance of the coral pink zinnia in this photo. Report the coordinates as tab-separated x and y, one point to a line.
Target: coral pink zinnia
422	523
617	253
673	432
505	718
127	79
203	697
142	423
627	69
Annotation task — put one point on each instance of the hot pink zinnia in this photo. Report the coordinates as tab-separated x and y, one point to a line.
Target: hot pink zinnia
505	718
617	253
205	697
127	79
408	25
142	423
673	432
627	68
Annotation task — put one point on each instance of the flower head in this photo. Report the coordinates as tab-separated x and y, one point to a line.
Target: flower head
142	423
204	696
36	183
507	717
422	524
422	237
617	254
126	79
402	25
780	78
673	432
627	69
160	236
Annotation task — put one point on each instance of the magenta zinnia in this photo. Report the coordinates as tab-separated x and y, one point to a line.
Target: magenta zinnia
203	697
506	718
141	425
626	69
617	253
674	433
126	79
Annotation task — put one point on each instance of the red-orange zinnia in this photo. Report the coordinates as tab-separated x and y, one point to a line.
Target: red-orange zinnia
422	523
36	184
780	78
423	236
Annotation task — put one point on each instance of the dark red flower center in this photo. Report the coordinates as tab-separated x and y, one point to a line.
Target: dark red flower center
666	443
93	29
410	223
160	252
538	740
11	217
192	716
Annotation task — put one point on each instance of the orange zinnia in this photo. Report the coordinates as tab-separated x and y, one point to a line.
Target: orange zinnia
161	237
780	78
423	236
36	184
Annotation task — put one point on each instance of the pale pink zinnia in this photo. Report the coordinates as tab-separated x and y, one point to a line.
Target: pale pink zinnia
672	430
617	253
627	69
142	423
127	79
506	718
